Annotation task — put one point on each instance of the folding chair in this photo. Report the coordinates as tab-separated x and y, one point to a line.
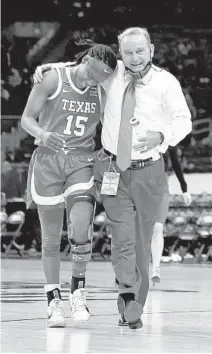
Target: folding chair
17	219
204	231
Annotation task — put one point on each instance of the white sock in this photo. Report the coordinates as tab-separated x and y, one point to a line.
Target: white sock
50	287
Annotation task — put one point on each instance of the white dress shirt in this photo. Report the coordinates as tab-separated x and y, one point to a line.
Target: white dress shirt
160	106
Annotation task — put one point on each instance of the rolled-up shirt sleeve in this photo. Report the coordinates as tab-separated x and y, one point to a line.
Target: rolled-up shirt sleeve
176	109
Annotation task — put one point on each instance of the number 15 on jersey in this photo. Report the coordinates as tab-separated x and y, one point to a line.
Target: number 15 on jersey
76	128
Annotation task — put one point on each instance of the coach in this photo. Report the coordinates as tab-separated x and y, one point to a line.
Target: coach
141	93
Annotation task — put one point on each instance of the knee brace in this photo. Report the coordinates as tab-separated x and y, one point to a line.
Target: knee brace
80	214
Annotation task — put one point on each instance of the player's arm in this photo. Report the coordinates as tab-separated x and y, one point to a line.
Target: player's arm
179	173
35	104
41	69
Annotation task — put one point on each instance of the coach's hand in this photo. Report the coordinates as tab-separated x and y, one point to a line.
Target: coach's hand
148	142
53	141
38	75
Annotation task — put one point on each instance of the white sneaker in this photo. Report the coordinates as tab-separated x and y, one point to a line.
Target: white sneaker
78	305
156	275
176	257
56	316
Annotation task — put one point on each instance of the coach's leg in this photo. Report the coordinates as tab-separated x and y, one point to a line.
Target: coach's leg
152	185
120	209
143	243
121	212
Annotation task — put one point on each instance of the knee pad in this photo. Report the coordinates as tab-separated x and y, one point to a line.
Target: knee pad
80	213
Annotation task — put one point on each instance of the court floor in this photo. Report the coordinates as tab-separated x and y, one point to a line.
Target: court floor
177	317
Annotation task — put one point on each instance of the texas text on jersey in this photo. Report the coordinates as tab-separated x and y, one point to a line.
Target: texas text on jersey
72	112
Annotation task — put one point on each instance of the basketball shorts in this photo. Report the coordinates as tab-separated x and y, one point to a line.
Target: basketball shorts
54	176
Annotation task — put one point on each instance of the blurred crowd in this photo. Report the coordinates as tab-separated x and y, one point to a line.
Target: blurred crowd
16	76
186	54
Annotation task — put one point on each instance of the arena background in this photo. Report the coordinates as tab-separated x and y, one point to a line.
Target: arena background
35	32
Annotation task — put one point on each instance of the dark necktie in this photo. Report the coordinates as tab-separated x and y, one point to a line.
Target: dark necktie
124	149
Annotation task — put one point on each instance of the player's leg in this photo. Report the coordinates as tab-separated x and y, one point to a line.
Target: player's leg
46	190
80	204
51	222
80	210
157	243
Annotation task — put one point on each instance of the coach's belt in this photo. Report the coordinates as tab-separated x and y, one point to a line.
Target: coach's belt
135	164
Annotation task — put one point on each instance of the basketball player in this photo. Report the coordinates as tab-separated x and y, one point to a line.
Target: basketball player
67	102
157	243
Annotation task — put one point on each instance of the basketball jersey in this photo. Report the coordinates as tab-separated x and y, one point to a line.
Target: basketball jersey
72	112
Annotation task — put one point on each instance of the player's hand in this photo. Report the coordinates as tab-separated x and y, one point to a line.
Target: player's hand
187	198
38	75
148	142
53	141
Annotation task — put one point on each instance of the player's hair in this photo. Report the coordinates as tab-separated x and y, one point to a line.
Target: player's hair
134	30
104	53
